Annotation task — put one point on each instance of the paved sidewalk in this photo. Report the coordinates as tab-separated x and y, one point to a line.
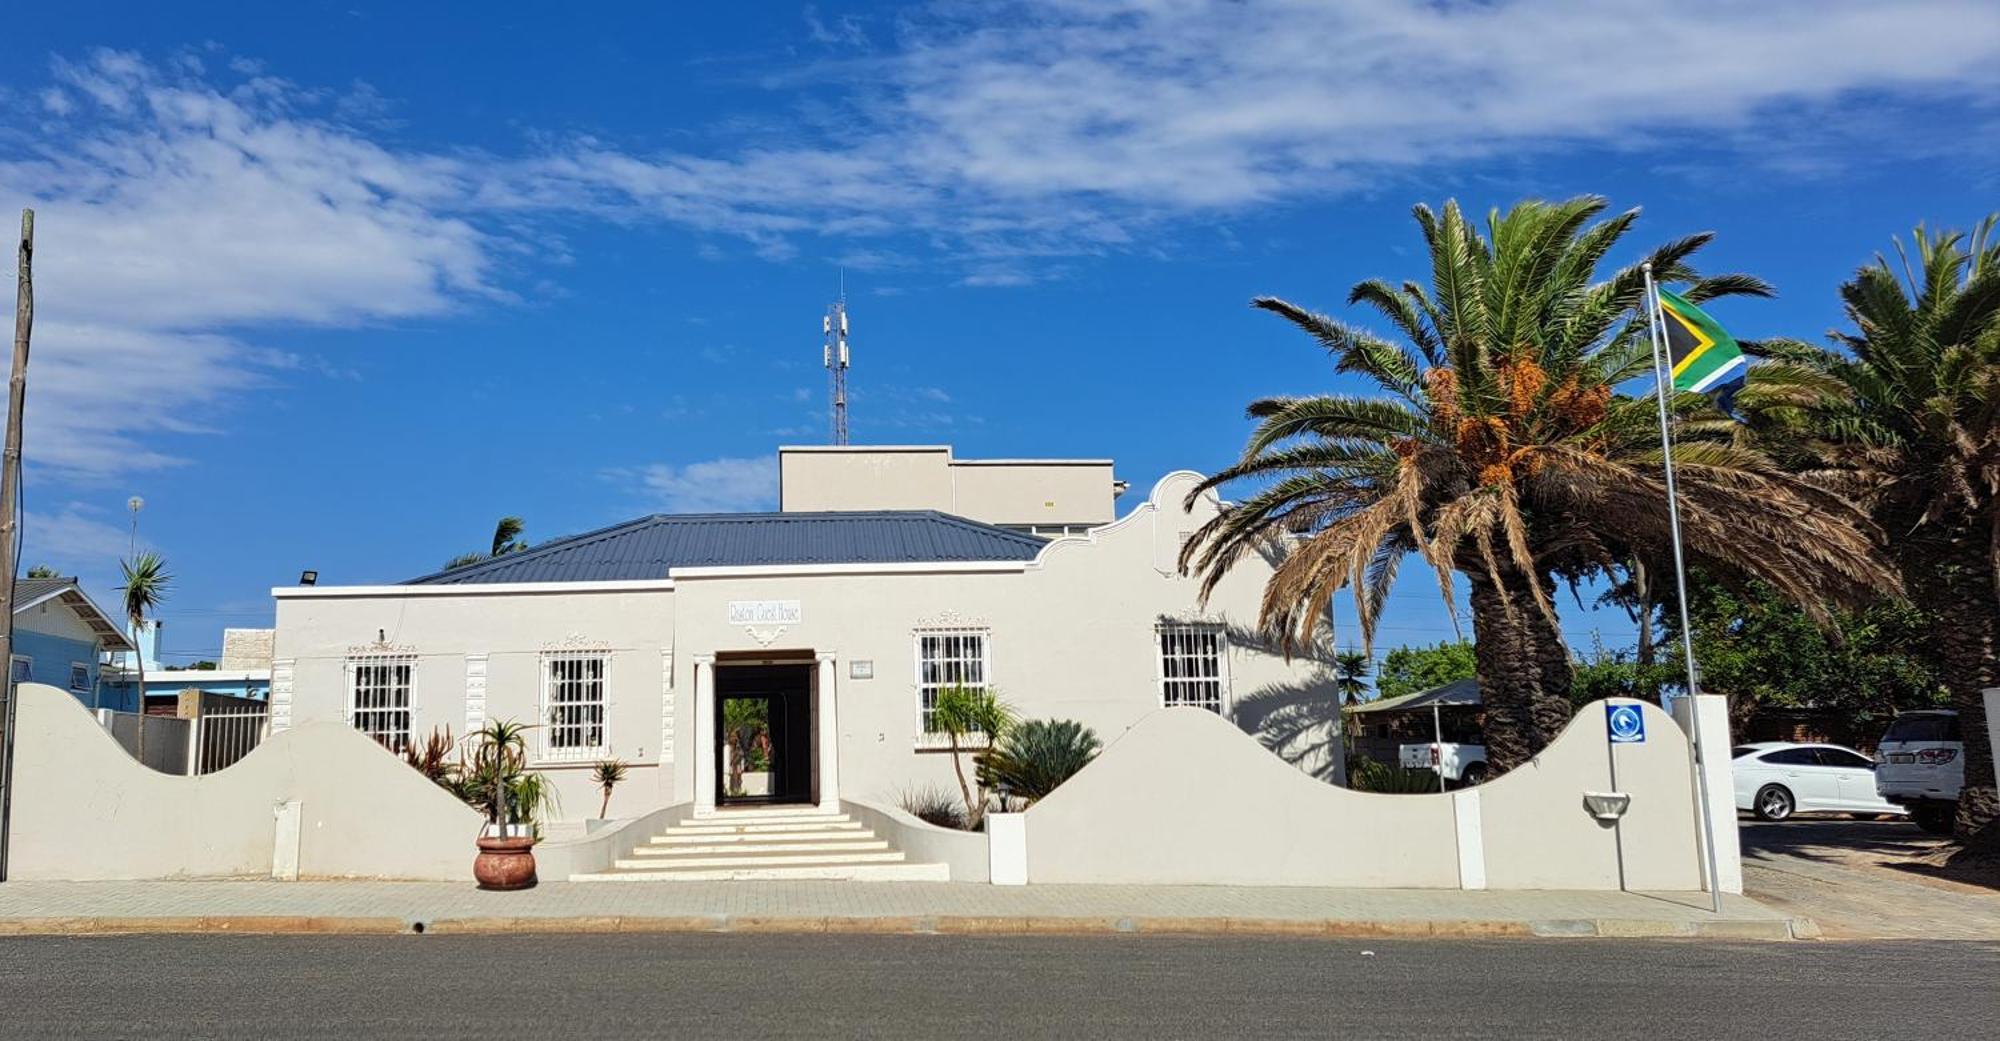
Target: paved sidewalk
877	907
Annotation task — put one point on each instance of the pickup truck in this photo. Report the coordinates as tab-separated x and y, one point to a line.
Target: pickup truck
1463	764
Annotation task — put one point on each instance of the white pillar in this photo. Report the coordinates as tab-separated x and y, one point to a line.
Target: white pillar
1714	743
829	733
704	733
1007	849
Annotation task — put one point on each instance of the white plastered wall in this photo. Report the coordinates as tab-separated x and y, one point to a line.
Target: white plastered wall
1185	799
1073	636
511	631
85	810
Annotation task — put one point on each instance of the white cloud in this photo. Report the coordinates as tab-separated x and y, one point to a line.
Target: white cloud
727	485
185	213
171	213
76	540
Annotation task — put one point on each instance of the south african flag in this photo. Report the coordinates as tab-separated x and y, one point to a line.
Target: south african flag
1702	356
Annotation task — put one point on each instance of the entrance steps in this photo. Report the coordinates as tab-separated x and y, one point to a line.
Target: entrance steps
774	843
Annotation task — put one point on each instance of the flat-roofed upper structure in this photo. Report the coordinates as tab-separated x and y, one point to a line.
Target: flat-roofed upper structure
1043	496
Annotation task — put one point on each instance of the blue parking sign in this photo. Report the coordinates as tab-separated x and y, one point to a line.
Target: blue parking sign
1627	724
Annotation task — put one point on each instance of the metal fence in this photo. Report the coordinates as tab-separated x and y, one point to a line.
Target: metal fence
204	744
223	736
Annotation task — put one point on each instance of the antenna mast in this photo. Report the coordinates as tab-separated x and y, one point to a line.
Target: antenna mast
834	326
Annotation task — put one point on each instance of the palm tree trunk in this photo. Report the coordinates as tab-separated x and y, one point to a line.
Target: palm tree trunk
139	660
1524	674
1951	576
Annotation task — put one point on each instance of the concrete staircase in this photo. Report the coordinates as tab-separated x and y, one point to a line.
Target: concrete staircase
793	842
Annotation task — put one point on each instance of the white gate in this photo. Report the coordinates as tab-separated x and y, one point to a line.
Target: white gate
223	736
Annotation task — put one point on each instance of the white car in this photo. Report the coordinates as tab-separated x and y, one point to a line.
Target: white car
1776	779
1923	767
1463	763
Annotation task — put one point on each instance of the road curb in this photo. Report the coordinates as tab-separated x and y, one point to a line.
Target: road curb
922	925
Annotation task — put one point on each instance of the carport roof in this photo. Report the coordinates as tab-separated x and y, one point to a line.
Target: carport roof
1457	692
646	548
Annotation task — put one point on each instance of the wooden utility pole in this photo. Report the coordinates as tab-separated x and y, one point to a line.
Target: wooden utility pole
10	526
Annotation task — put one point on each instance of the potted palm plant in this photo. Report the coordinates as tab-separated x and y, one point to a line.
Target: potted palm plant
495	779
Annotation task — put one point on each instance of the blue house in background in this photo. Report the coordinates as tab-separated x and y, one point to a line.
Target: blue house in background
61	638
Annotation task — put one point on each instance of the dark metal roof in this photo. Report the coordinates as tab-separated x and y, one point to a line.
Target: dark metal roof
70	594
647	547
29	590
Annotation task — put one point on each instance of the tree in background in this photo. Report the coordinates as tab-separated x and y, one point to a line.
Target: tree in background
146	583
1762	653
1496	448
506	539
1909	426
43	571
1350	675
1407	670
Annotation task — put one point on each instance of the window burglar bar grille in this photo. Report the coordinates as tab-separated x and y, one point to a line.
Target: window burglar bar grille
1191	668
573	702
947	658
379	705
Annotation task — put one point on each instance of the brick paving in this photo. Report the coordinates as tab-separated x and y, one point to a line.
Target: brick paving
337	906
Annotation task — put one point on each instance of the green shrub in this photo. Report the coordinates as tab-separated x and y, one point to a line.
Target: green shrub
1031	759
1367	775
933	805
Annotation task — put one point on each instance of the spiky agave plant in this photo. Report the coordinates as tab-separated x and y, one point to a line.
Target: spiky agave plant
1499	449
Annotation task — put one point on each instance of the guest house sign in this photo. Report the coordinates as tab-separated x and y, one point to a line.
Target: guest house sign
765	612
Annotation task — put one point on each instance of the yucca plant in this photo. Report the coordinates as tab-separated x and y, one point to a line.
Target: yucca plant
962	713
1036	755
1907	422
606	775
494	779
1497	446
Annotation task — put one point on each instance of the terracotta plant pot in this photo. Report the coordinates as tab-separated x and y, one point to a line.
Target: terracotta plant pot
505	863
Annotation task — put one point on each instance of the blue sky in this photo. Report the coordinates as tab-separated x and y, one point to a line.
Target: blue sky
335	288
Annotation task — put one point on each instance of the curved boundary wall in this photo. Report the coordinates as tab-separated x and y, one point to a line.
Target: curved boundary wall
318	801
1186	798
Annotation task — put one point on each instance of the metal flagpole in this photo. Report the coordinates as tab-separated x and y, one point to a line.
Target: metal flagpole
1662	386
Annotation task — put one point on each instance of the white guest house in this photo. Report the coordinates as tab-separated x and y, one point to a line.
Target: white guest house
886	574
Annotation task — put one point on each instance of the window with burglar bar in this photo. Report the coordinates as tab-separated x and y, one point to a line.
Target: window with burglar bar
79	677
949	658
573	704
1193	669
379	699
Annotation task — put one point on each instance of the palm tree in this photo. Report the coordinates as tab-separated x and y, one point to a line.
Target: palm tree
146	583
1910	426
1350	675
959	713
506	539
1500	450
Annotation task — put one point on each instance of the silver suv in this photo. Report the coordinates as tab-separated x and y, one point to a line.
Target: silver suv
1922	766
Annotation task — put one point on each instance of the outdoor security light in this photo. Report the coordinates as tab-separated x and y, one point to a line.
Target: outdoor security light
1607	806
308	578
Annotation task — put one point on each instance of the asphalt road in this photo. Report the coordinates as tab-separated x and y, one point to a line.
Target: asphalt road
738	987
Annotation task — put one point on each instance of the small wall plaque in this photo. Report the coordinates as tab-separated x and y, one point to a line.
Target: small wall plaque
861	669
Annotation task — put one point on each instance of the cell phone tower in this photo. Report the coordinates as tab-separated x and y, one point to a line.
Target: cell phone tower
834	327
